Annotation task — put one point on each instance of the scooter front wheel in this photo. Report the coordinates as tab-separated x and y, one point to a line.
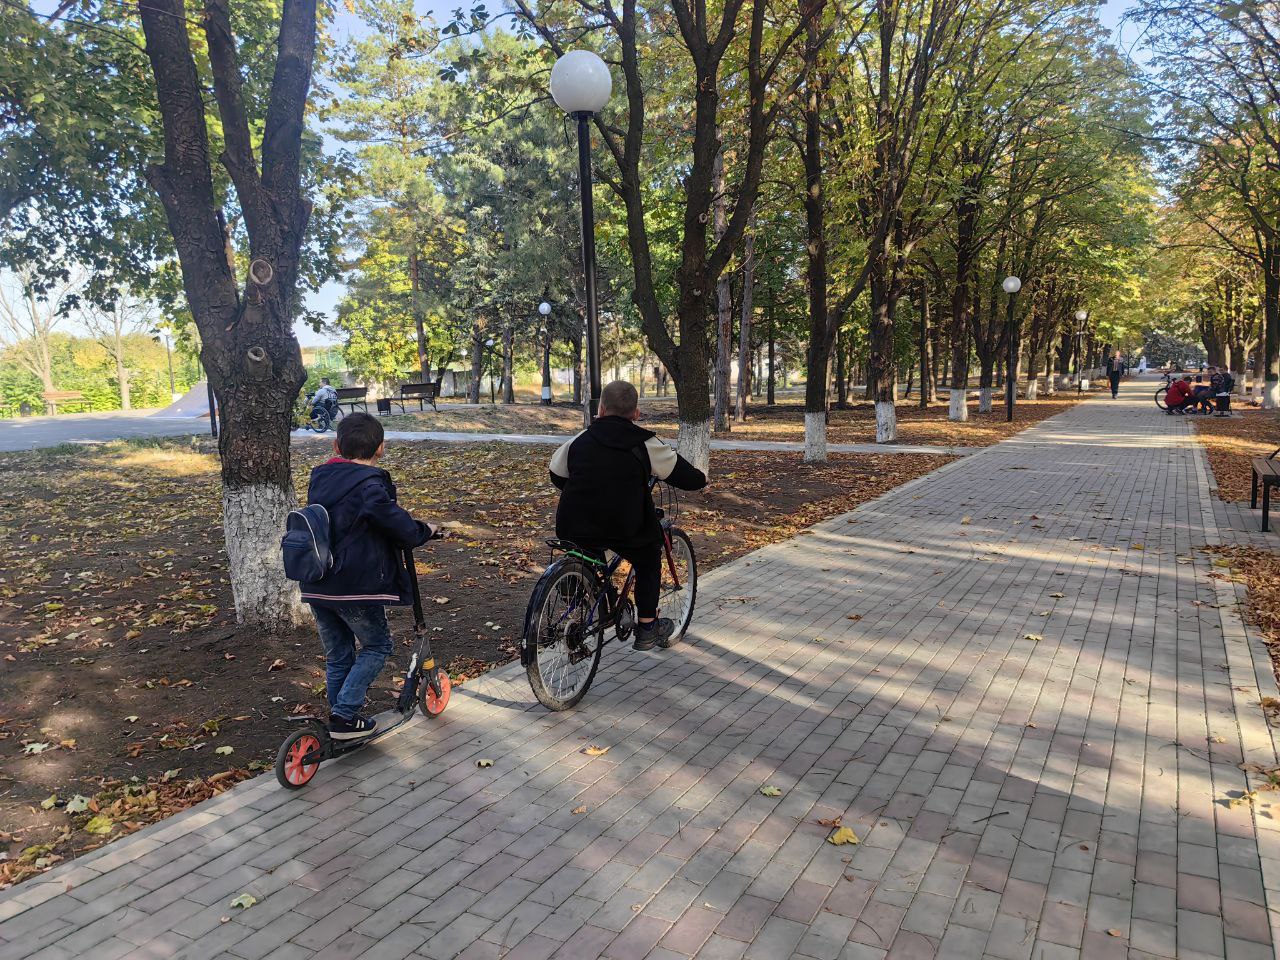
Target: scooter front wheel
433	705
298	759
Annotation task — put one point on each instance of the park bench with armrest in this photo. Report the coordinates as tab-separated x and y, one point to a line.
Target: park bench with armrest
424	393
1266	473
353	397
54	397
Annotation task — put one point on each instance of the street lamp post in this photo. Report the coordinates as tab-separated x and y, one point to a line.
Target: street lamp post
1081	317
580	86
544	309
1011	286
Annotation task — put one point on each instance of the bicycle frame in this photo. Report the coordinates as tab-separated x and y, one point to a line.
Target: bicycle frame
604	581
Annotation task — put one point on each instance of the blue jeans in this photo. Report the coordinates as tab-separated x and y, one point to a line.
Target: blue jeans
348	674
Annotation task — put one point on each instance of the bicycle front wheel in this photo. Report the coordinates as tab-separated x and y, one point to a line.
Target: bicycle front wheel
564	633
1160	398
679	592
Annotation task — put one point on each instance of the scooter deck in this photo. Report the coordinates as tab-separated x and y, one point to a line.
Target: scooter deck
387	721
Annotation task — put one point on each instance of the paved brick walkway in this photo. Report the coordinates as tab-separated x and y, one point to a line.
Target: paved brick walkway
1009	677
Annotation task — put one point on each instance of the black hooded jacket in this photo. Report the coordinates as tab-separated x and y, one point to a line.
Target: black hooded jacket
368	531
603	474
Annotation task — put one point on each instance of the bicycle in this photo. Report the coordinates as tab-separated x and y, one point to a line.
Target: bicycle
1165	380
575	602
317	417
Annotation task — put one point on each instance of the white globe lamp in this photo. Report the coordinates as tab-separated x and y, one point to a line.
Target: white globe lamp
544	308
580	82
1082	315
580	86
1011	285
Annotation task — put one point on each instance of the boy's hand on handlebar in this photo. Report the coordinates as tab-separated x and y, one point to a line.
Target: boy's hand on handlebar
437	532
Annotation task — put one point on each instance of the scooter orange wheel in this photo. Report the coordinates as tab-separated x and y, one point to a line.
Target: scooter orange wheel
298	759
432	705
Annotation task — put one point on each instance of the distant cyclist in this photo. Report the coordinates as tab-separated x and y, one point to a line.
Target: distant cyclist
603	475
326	398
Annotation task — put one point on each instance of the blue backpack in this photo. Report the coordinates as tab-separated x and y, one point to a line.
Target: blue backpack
306	545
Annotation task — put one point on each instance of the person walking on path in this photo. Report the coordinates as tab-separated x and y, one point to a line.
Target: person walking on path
1115	369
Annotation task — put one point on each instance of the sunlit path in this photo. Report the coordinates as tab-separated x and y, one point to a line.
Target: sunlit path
1012	678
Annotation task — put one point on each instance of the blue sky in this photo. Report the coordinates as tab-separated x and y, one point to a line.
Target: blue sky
346	26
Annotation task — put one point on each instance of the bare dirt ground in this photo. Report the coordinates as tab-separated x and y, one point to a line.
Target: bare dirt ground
128	691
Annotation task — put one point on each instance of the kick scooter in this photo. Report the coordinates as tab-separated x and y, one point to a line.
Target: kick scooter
425	684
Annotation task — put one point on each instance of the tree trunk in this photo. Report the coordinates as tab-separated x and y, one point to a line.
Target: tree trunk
1270	366
821	336
577	370
744	323
926	392
122	378
771	394
415	294
477	366
248	348
508	384
882	370
724	305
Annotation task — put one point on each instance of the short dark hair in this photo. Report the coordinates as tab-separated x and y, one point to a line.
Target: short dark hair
359	436
324	379
619	399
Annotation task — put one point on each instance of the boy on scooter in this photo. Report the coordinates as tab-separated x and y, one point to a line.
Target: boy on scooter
369	532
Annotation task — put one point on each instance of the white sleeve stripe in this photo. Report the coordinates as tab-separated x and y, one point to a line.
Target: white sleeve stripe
662	459
560	459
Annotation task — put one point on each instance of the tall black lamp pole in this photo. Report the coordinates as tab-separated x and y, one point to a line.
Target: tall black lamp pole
1011	286
580	86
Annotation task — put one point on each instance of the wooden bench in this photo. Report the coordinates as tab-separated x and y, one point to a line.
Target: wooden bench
1266	472
353	397
54	397
424	393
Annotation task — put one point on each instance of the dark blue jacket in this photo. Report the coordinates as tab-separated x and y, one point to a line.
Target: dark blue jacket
368	532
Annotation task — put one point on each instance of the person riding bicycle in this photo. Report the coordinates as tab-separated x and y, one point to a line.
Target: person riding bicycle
326	399
603	477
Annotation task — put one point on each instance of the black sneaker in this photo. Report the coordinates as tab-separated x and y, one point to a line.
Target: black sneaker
656	633
360	726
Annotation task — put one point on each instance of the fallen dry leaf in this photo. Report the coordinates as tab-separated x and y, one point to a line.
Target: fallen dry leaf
842	836
594	751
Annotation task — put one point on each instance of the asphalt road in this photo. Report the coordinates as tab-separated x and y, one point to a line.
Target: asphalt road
30	433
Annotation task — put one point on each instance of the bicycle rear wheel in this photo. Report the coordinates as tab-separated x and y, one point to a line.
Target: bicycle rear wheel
564	633
675	601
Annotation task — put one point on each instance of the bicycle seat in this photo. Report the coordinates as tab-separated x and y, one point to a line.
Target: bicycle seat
567	546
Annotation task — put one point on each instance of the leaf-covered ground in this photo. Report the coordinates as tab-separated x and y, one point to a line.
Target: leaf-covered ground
784	421
127	691
1231	443
1260	571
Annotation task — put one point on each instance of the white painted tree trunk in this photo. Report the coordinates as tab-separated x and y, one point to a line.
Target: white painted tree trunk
1033	387
694	444
1271	395
959	410
815	437
253	523
984	400
1050	387
886	422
